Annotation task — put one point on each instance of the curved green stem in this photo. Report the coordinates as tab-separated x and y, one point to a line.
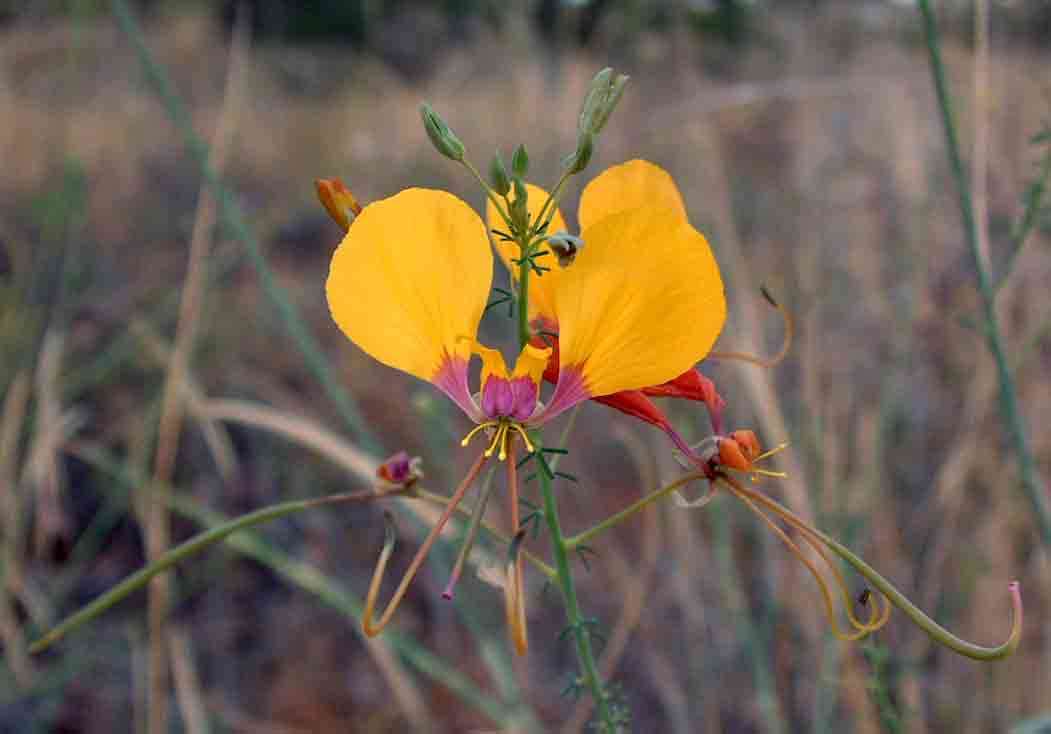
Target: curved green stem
933	630
617	518
183	551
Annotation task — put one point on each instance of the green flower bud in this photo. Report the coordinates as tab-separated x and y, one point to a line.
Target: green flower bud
603	95
520	162
579	159
520	205
498	176
444	140
615	92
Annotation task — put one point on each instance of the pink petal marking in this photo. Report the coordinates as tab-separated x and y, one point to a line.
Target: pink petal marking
497	398
569	391
451	379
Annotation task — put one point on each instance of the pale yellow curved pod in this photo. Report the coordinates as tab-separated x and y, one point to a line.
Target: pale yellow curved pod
642	303
628	186
411	280
539	286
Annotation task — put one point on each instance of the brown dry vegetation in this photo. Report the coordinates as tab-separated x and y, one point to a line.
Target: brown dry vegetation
820	172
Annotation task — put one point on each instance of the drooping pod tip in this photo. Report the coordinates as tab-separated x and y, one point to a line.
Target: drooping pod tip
769	298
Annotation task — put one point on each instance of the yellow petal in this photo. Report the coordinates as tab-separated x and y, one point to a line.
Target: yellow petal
630	185
411	278
492	361
642	303
532	361
539	286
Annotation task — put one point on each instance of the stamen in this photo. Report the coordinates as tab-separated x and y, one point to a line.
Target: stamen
878	616
503	442
525	437
501	429
775	450
817	543
372	628
477	513
481	427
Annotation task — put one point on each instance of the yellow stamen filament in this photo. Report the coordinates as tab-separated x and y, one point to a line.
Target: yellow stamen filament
480	427
756	473
501	438
372	628
525	437
879	613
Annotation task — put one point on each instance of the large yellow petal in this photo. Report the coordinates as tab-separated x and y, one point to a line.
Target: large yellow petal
539	286
411	278
629	185
642	303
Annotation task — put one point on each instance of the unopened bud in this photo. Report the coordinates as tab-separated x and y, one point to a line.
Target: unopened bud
579	159
613	95
498	176
444	140
520	162
602	98
399	471
596	93
520	205
338	201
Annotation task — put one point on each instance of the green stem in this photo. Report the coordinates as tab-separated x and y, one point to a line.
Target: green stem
183	551
1032	484
488	192
581	636
616	519
524	332
233	217
928	625
544	216
1025	226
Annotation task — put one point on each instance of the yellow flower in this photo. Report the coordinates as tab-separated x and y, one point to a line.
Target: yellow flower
641	303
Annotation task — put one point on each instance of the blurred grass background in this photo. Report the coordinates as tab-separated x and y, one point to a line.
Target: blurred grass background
806	141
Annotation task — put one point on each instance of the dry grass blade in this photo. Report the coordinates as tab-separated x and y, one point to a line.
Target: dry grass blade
10	433
43	469
215	436
187	682
158	533
299	430
307	433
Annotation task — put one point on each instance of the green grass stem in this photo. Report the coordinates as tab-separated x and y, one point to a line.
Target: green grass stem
1032	484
